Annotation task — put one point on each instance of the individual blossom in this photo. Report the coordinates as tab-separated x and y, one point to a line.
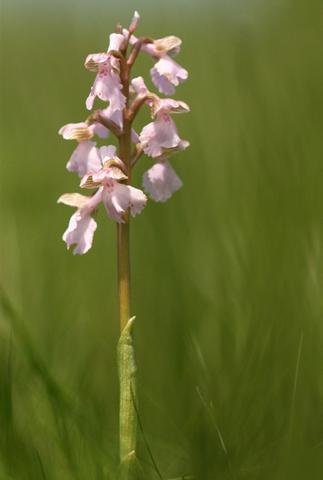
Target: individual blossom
166	74
107	85
117	197
169	45
161	180
157	48
161	134
81	227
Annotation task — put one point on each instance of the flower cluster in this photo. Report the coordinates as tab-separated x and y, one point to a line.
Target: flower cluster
104	169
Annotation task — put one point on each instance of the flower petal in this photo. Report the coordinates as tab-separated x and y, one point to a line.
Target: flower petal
107	152
158	135
117	41
114	116
109	157
76	131
107	87
80	232
73	199
81	226
99	130
118	199
161	181
139	86
84	159
170	45
160	47
166	74
93	61
168	105
83	131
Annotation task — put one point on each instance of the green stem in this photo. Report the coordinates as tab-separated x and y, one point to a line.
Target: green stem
126	357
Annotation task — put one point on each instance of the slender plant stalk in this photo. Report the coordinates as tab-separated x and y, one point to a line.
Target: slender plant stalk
126	357
123	273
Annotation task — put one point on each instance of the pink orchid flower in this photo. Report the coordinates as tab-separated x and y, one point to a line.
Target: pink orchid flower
81	227
161	180
161	134
166	74
107	85
117	197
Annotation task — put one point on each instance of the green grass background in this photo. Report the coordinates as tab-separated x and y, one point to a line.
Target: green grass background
227	276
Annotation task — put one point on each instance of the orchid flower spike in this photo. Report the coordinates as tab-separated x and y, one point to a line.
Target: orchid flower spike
106	170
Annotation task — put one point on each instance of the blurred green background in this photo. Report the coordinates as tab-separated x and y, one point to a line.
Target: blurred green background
227	275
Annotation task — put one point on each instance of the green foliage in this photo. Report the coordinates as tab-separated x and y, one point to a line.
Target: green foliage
227	276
